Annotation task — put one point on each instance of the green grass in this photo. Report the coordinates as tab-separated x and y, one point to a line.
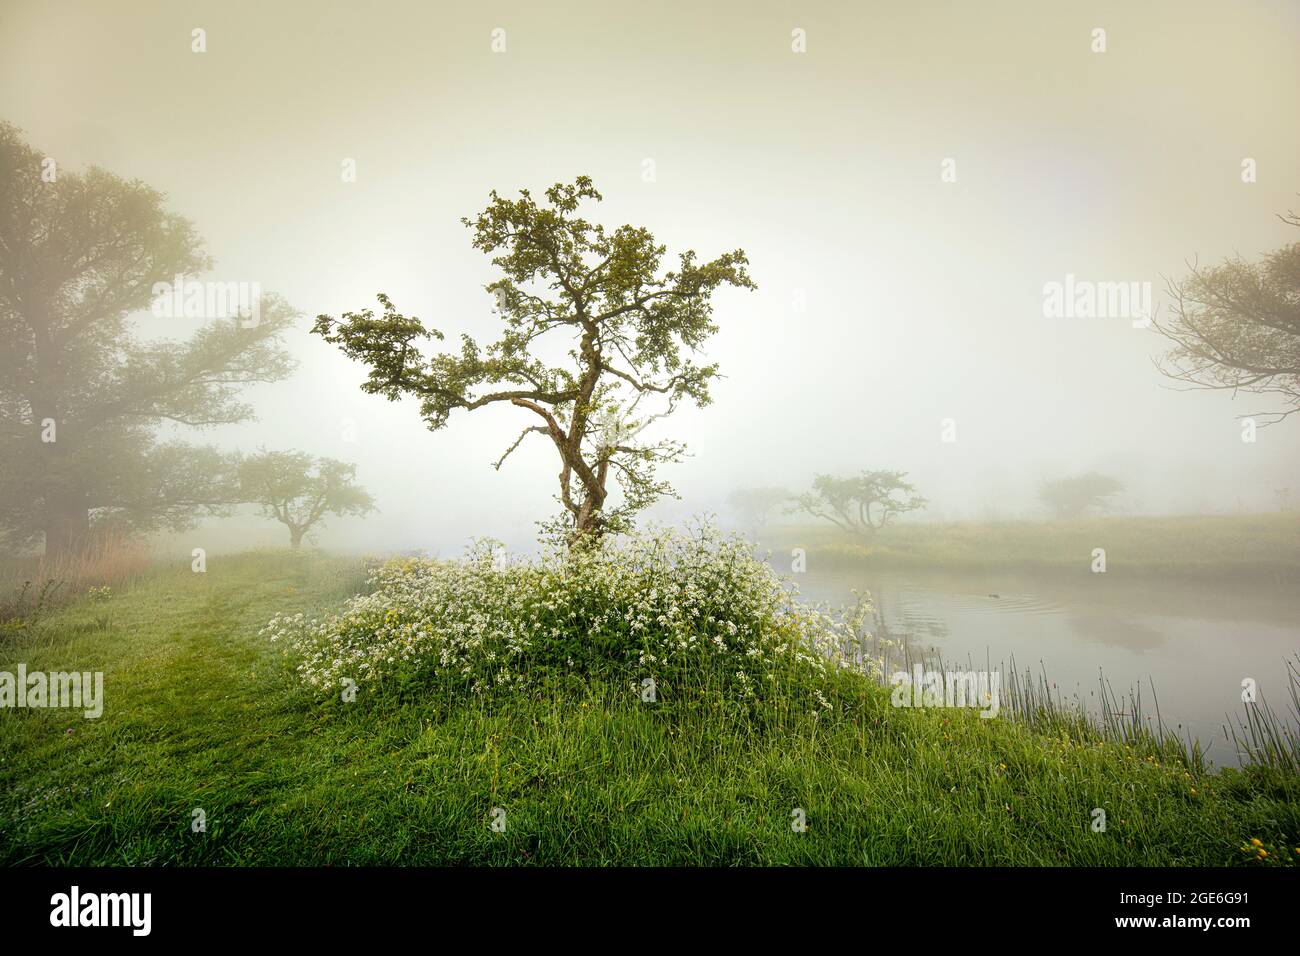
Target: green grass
202	713
1264	548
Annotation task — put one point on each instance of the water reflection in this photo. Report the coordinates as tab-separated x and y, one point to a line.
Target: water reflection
1194	642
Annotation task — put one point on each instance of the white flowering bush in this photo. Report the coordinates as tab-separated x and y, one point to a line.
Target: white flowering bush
686	610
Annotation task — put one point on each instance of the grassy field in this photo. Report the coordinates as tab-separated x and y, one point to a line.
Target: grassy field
201	712
1264	548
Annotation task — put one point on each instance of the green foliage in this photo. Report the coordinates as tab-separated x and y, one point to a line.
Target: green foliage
78	256
861	504
299	491
1075	496
631	329
684	611
200	713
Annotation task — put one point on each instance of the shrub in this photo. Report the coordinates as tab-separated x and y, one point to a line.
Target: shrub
31	586
693	612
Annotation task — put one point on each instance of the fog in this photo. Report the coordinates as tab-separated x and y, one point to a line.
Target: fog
888	300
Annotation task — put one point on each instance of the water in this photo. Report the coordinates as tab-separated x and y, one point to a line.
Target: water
1194	642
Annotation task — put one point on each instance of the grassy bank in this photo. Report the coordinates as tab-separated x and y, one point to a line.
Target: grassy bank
1263	548
201	712
34	585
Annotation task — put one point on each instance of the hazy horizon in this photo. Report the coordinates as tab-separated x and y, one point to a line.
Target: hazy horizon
888	299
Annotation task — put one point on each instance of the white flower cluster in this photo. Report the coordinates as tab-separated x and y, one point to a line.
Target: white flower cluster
681	609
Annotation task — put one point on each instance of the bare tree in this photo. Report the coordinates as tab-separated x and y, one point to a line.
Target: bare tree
1236	326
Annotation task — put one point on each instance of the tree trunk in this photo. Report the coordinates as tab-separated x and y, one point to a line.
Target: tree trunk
295	538
587	530
66	519
67	526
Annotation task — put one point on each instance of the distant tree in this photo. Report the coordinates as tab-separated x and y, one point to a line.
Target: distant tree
299	491
861	504
1072	497
1236	326
80	396
628	328
755	505
165	485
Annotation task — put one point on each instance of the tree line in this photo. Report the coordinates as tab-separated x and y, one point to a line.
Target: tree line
864	503
82	398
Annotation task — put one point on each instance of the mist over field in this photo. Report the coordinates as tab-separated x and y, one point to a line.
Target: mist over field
588	434
888	300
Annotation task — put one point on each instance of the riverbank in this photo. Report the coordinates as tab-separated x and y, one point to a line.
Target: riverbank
203	714
1258	548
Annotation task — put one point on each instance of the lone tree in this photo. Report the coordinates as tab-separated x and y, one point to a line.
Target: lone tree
1072	497
80	396
1236	326
755	505
299	491
629	329
861	504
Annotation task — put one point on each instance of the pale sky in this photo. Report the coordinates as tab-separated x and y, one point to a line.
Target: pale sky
922	298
